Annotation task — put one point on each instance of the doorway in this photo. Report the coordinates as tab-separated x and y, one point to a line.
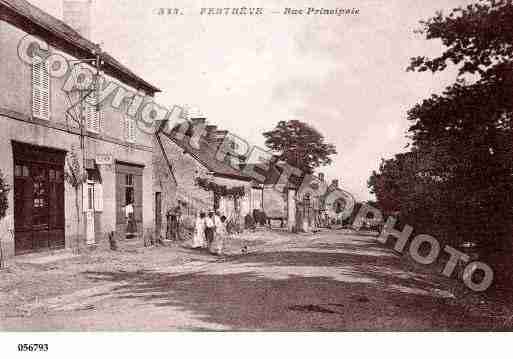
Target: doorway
129	190
38	198
89	212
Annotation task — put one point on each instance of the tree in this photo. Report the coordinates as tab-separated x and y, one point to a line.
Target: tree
406	188
300	145
464	136
4	205
75	176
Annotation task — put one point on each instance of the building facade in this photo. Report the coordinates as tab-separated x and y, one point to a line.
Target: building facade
43	128
178	167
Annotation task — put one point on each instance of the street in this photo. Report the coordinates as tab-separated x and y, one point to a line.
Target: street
332	280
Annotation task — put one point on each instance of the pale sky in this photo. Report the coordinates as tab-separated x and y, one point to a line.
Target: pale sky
345	75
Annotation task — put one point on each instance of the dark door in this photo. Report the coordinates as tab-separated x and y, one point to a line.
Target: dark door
158	212
38	200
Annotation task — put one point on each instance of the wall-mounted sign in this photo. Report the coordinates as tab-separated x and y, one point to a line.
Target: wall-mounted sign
104	159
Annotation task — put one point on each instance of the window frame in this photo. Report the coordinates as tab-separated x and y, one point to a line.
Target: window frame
130	132
44	75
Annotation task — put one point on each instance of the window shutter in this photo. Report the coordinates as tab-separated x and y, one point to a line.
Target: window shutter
40	90
130	129
92	112
88	115
99	117
138	189
98	197
125	127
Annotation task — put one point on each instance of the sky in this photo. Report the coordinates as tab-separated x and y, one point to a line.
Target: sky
344	75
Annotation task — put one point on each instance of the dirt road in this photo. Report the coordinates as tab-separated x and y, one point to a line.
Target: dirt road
335	280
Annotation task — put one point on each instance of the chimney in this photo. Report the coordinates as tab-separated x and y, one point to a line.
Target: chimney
321	177
77	14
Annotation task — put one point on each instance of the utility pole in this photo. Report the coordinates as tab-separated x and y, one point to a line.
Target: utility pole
84	94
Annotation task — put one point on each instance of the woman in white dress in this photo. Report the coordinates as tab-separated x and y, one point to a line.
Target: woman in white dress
217	245
198	240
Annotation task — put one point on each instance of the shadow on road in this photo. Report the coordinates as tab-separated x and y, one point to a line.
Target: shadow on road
299	290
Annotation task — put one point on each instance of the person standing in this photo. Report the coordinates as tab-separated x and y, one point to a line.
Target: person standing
198	239
217	238
169	214
210	228
221	234
131	227
177	223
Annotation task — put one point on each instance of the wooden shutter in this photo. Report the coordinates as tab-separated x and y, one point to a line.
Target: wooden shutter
138	189
40	90
131	134
92	112
130	129
120	197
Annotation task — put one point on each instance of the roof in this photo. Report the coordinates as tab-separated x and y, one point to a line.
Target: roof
206	155
41	20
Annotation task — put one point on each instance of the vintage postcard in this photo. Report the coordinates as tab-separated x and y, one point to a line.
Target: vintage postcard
273	166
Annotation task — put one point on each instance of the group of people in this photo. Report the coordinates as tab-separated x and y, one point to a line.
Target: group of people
210	232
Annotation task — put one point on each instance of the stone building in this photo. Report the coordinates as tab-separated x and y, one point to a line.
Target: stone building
179	165
41	126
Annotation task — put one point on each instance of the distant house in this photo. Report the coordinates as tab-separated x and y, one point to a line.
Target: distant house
179	165
303	205
183	174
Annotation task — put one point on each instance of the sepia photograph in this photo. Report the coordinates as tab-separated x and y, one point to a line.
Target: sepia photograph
253	167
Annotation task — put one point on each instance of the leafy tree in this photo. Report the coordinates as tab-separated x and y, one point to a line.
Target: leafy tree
462	139
300	145
406	187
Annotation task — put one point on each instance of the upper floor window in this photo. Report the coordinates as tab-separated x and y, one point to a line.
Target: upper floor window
92	112
40	90
130	129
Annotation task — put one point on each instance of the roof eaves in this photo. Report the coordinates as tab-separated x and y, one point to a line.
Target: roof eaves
109	58
218	172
